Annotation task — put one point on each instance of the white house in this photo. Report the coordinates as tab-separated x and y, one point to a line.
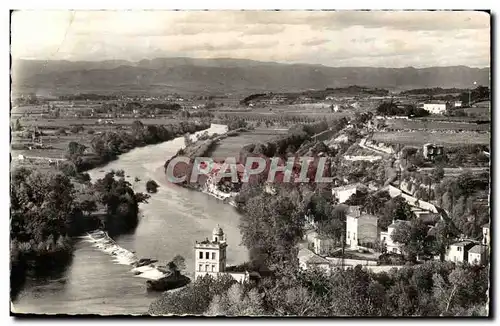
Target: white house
343	193
361	229
457	251
457	104
386	237
486	234
436	107
477	255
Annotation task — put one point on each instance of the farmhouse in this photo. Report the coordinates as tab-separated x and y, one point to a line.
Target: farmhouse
436	107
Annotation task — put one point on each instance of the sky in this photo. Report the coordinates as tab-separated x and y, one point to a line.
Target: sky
332	38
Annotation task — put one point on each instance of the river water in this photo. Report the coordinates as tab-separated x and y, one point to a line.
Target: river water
171	222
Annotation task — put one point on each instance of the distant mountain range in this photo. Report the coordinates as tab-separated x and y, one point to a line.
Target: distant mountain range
225	75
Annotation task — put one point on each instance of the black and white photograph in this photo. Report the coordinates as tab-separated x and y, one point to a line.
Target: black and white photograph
250	163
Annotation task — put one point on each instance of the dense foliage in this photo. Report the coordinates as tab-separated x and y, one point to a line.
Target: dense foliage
108	145
431	289
390	108
47	210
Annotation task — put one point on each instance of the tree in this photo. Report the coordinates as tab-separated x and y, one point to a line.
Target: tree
17	126
75	149
273	224
446	292
396	209
179	262
151	186
443	234
437	174
237	302
374	203
413	236
68	168
194	299
358	198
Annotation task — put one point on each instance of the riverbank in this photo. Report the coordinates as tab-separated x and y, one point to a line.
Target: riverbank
170	223
108	146
35	260
202	147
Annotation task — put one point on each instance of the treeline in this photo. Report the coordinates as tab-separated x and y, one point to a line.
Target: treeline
480	93
90	97
107	146
317	94
251	97
47	210
431	289
433	91
391	108
292	140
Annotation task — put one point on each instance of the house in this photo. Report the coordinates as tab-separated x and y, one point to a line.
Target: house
210	257
322	245
308	259
431	151
343	193
436	107
486	235
457	104
361	229
386	237
457	251
477	255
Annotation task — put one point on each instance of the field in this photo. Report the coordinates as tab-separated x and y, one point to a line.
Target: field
231	146
420	138
68	122
435	125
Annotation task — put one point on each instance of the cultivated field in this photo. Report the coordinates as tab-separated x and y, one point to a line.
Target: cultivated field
435	125
421	137
231	146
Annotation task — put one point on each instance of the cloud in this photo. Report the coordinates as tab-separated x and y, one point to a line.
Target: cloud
263	29
383	38
315	42
413	20
224	46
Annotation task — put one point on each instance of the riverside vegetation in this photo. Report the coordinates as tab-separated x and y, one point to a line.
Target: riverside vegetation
49	209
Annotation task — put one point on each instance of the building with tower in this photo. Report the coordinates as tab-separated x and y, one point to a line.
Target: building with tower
210	257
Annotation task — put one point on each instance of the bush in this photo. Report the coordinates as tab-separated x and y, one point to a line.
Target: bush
151	186
61	132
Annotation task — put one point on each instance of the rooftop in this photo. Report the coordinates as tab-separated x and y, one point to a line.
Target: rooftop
477	249
397	222
461	243
349	187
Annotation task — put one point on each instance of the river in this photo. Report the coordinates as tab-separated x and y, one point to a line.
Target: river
170	223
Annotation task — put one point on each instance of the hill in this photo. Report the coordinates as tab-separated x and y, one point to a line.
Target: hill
229	75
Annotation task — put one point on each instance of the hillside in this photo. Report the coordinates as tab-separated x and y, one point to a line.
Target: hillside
229	75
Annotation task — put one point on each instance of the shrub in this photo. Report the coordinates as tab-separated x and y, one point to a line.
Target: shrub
152	186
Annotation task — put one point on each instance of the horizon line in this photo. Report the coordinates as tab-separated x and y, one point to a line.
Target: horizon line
253	60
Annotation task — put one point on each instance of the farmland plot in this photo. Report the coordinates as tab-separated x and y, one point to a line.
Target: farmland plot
421	137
